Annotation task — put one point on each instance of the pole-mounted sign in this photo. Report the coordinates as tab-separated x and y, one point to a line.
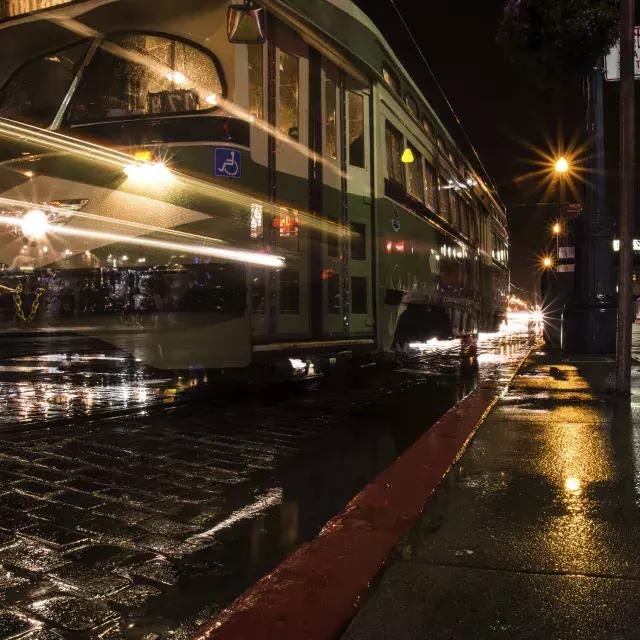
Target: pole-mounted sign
612	61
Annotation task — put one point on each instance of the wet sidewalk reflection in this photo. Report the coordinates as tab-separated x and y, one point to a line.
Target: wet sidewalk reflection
144	526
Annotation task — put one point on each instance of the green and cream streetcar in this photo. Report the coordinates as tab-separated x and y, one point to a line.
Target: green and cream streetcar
206	185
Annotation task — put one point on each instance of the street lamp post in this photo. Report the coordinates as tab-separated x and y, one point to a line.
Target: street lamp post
589	321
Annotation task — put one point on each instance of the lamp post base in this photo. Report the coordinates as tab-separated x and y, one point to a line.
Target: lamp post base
589	329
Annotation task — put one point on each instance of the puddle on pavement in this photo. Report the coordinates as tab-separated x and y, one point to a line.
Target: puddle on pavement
150	526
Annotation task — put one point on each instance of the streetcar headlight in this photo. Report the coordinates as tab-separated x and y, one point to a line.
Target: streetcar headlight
35	224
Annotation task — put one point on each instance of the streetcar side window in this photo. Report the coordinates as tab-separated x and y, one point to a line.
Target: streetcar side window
412	104
358	241
331	119
356	129
443	196
290	292
391	79
415	178
36	91
146	75
333	293
430	186
289	93
394	143
359	301
256	80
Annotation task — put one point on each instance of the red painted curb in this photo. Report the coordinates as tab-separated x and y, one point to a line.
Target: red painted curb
315	592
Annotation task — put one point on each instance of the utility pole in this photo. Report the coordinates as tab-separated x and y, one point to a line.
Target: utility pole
627	195
589	321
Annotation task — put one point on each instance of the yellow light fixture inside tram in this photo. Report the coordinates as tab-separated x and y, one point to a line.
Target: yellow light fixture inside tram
407	156
149	173
143	155
35	224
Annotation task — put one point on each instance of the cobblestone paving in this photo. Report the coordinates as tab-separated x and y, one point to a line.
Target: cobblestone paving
144	526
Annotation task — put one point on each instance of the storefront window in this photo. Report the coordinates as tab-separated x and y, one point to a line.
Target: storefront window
146	75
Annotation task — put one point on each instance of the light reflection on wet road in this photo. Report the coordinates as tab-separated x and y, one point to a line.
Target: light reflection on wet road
149	523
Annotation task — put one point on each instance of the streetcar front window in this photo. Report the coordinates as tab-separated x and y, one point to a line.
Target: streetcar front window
36	91
146	75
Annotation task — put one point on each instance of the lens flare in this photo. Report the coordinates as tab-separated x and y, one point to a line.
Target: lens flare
34	224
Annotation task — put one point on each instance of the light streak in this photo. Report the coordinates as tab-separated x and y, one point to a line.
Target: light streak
234	255
97	154
272	498
141	226
34	224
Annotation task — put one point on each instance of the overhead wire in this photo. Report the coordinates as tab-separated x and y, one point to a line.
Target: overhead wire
446	99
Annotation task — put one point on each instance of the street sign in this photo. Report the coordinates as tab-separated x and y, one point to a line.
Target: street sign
227	163
612	61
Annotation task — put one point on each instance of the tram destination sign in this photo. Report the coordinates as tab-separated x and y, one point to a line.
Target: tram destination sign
15	8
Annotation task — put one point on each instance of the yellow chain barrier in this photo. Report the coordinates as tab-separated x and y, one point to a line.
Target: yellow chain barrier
17	298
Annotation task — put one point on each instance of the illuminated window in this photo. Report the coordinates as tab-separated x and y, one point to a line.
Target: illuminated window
443	196
426	125
412	104
286	225
415	178
256	221
391	79
454	203
356	129
331	119
430	186
395	144
289	103
145	75
256	81
35	93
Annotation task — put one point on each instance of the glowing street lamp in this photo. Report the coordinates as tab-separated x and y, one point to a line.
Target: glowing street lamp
561	165
547	262
557	229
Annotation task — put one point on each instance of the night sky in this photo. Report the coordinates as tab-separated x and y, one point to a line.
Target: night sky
504	112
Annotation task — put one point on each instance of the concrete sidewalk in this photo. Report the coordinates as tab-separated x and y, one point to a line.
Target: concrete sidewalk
535	532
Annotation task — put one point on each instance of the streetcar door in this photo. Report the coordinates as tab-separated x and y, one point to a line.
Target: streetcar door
290	227
358	152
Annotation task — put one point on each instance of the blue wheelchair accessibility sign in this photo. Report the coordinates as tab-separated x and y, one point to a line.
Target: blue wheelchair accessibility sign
227	163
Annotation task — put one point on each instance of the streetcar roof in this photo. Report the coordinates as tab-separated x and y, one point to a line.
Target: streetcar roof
356	36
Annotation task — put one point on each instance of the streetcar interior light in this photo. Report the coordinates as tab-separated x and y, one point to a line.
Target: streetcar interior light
149	172
407	156
34	224
143	155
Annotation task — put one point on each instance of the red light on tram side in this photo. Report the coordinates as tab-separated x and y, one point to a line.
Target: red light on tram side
389	246
400	246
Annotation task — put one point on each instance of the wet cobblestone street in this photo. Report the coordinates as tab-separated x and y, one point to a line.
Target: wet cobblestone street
143	525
